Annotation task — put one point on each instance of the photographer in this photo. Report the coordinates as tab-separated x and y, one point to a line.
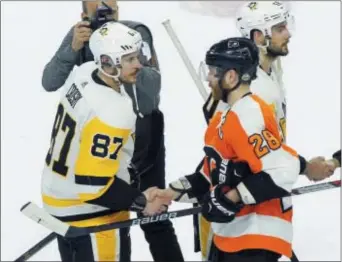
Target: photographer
74	49
148	161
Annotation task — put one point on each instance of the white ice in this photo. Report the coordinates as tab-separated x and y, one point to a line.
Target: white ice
32	31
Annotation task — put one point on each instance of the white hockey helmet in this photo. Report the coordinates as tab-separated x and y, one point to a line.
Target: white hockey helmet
111	42
262	16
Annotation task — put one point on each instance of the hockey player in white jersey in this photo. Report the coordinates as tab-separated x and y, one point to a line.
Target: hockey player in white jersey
85	180
270	25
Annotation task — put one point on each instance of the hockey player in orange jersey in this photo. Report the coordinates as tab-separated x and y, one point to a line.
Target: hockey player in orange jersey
250	212
270	25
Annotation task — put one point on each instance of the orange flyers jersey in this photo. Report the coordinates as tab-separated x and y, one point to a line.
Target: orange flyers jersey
270	88
249	132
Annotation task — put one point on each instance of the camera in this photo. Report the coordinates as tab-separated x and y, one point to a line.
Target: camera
104	14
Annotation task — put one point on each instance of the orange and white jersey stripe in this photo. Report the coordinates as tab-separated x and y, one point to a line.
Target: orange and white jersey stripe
249	132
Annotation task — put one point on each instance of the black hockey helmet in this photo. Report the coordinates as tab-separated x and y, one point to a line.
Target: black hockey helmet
238	53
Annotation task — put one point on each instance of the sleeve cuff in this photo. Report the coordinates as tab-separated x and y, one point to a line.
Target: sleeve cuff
245	195
302	162
337	156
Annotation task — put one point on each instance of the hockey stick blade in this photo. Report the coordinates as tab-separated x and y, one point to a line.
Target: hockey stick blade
40	216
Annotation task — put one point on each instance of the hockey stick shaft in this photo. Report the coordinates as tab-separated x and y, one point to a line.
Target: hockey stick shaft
37	247
185	58
42	217
316	187
297	191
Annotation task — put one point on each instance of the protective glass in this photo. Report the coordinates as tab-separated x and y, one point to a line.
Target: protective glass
206	72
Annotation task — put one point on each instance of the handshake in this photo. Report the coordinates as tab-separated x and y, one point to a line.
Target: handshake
157	200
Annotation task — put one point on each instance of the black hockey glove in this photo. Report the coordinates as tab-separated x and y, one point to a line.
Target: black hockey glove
230	173
218	208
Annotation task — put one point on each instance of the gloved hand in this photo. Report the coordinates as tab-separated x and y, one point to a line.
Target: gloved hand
216	207
232	174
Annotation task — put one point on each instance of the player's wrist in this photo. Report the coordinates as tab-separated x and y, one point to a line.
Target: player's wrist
139	203
303	169
233	195
228	198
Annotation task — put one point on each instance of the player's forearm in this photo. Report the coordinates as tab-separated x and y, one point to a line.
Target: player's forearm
275	180
119	196
234	196
259	188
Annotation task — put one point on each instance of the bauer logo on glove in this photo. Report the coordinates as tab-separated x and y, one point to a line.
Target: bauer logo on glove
217	207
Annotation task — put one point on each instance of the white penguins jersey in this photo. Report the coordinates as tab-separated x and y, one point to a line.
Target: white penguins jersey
269	87
91	143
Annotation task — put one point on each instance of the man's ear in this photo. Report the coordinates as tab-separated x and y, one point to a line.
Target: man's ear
231	77
258	37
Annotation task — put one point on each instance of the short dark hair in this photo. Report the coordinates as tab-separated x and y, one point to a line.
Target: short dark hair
84	6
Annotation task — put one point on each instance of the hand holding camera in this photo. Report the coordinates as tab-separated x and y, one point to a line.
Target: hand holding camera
84	29
82	33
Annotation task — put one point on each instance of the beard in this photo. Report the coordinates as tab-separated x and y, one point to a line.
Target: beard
277	51
217	93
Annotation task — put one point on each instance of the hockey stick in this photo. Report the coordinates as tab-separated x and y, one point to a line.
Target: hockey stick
297	191
37	247
42	217
316	187
185	58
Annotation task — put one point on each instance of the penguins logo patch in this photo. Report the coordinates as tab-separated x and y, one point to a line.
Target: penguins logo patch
253	5
103	31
